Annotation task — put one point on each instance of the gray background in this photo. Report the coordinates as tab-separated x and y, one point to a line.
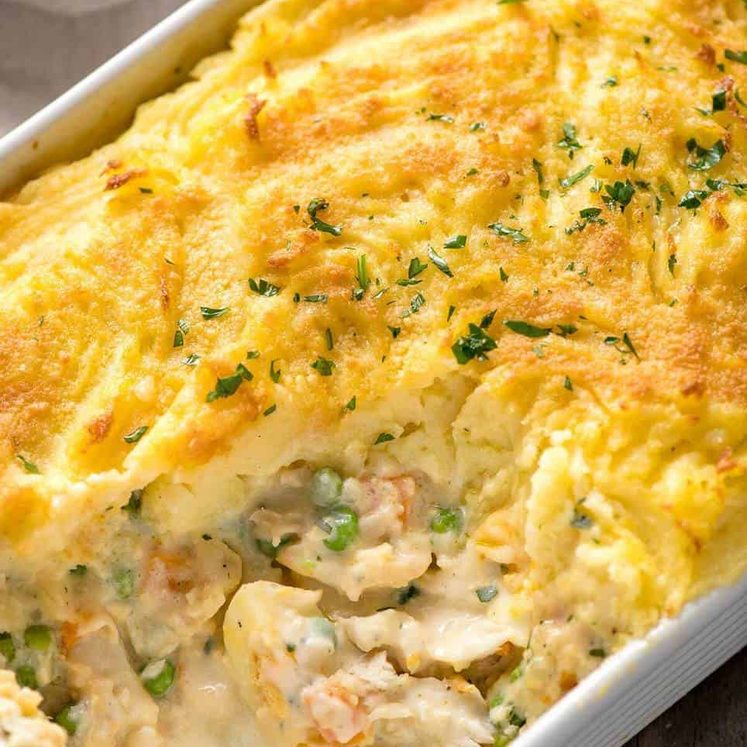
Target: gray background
44	51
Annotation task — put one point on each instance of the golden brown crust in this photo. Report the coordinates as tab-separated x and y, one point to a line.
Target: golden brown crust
378	108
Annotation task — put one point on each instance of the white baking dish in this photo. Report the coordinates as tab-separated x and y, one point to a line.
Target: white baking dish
631	688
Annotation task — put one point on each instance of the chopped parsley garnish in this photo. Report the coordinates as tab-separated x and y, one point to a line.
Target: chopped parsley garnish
418	301
630	156
450	312
134	504
705	158
440	118
510	2
252	354
587	216
474	345
352	403
28	465
718	102
502	274
274	372
361	275
740	188
415	268
580	520
270	410
486	593
323	366
693	198
456	242
598	653
403	596
228	385
317	205
263	287
477	126
134	436
515	234
395	331
618	194
383	438
526	329
439	262
569	140
315	298
487	320
329	339
610	82
78	570
579	176
671	262
211	313
567	384
181	331
191	359
537	166
626	342
735	56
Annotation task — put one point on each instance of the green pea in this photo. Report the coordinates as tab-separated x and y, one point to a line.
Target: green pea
26	676
271	551
37	637
124	583
325	487
446	520
342	522
67	719
7	647
486	593
158	677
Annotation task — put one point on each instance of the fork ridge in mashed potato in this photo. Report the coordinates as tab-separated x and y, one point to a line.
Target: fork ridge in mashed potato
376	385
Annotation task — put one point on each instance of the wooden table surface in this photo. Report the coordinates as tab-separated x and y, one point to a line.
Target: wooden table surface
43	53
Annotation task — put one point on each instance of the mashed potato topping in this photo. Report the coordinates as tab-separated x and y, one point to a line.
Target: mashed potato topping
376	385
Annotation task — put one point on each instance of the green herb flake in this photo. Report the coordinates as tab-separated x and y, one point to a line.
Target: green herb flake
610	82
270	410
692	199
580	520
476	344
323	366
569	141
440	118
630	156
78	570
515	234
619	195
671	262
502	275
329	339
383	438
417	302
317	205
477	126
567	384
526	329
439	262
456	242
718	101
274	372
191	360
450	312
134	503
734	56
211	313
124	582
182	329
134	436
403	596
361	275
37	637
703	159
486	593
579	176
352	403
597	653
263	287
28	465
395	331
225	387
316	298
66	717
